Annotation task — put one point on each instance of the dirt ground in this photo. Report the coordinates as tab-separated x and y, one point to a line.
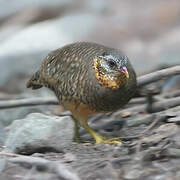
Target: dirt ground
150	149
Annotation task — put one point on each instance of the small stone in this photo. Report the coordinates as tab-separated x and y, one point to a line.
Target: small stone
167	129
170	114
39	133
133	173
146	119
41	168
125	114
173	152
2	134
69	157
174	120
3	163
153	139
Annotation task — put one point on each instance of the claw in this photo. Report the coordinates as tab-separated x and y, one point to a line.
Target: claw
103	140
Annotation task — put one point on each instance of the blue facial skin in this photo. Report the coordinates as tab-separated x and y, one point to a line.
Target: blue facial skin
111	64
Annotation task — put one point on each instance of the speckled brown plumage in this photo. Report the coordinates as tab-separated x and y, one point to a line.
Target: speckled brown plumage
75	76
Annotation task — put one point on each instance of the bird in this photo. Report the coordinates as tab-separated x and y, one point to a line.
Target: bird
87	78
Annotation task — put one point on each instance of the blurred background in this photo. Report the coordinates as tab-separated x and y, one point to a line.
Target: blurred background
148	32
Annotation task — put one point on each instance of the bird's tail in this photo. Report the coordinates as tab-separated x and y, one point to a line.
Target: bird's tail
35	82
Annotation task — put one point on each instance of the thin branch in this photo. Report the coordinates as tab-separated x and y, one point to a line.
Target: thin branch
157	75
171	94
142	80
156	106
165	104
27	102
2	153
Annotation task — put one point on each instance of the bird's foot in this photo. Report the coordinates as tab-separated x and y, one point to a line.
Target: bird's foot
99	139
109	141
104	140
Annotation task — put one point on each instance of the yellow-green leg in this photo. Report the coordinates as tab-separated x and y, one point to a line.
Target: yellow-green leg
76	131
99	138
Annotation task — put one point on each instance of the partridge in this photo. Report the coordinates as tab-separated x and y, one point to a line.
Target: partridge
87	78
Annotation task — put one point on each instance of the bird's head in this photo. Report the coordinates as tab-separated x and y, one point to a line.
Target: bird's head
111	70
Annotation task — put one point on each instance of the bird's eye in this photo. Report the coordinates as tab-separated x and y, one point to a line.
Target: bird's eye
111	63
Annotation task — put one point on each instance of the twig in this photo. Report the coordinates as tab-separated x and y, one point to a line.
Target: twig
140	100
157	75
10	154
157	106
165	104
27	102
142	80
171	94
154	123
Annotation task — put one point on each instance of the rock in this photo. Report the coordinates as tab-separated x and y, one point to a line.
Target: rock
39	133
153	139
7	116
174	120
133	173
172	152
2	134
160	135
37	168
3	163
146	119
106	172
167	130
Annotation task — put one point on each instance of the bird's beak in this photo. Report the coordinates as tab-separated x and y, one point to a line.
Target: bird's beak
125	72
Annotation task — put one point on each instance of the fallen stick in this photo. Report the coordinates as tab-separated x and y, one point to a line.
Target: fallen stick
27	102
141	81
157	75
171	94
156	106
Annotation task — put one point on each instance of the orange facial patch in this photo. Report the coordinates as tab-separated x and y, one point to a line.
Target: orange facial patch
106	80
